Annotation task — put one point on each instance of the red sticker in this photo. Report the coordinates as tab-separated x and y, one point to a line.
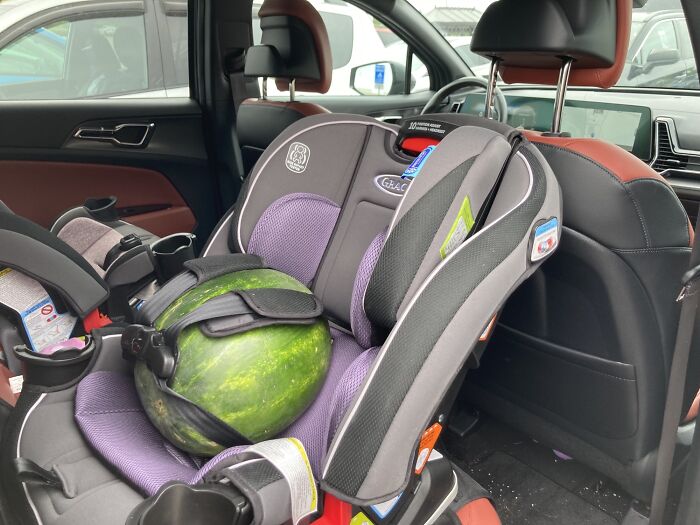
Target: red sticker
46	310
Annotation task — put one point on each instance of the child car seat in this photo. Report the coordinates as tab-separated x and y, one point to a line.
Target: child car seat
89	259
410	288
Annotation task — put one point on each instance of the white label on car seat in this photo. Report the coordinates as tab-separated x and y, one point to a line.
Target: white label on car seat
16	383
545	240
384	509
43	324
289	457
298	157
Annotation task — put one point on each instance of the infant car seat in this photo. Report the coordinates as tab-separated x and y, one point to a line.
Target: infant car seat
89	259
411	274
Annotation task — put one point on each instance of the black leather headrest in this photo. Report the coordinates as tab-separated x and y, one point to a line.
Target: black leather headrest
532	37
294	45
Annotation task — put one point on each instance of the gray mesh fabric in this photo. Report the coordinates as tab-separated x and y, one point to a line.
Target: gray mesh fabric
91	239
361	326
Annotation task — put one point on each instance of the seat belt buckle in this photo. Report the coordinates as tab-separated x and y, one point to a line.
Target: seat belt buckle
147	344
689	282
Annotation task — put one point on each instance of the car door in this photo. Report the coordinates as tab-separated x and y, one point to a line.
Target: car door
94	101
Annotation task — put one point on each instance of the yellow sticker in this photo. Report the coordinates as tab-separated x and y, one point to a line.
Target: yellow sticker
360	519
460	229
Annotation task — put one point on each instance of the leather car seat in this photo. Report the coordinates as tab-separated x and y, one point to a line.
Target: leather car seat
295	51
582	353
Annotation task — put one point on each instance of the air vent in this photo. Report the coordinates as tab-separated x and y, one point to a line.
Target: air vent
666	159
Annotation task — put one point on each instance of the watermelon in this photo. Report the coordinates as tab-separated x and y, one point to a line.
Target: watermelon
257	382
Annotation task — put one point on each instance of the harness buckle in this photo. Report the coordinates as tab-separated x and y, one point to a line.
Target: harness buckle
145	343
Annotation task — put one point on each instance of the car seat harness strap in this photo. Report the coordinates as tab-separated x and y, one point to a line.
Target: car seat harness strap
197	271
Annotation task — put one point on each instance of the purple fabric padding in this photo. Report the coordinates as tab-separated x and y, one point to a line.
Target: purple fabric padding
113	422
292	234
349	384
361	327
110	416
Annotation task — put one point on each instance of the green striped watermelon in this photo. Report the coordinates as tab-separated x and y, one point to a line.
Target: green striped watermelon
257	382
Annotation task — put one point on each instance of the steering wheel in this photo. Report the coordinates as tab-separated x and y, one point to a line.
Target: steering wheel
466	82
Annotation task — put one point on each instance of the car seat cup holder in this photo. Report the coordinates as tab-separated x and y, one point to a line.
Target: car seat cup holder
181	504
57	364
171	253
103	209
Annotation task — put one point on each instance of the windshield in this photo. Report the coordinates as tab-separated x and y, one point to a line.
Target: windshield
660	54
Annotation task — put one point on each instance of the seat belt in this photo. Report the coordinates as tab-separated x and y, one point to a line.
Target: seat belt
689	299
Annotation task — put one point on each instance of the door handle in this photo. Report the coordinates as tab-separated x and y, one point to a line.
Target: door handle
134	135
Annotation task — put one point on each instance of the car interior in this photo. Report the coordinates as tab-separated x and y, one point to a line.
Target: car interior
498	259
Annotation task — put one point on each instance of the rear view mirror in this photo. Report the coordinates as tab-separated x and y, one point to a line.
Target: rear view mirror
379	78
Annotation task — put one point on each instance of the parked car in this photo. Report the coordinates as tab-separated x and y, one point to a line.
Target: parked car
85	49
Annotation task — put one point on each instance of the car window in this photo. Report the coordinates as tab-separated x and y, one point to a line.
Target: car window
660	54
71	54
368	58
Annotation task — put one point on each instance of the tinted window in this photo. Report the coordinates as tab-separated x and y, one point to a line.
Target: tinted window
94	57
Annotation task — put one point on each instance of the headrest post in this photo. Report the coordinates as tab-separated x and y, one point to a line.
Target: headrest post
491	88
264	88
562	84
292	89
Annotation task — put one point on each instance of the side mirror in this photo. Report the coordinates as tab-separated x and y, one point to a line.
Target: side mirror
662	57
379	78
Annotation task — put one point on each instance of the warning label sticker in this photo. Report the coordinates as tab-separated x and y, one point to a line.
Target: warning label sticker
42	323
460	229
289	457
545	239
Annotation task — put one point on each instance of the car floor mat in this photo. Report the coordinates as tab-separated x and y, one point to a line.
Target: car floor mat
530	484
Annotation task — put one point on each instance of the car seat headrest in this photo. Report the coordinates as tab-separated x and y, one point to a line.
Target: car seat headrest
531	39
294	46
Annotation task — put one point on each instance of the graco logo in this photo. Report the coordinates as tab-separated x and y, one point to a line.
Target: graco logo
392	184
298	157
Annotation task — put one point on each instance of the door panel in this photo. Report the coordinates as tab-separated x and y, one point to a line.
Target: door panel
145	197
164	186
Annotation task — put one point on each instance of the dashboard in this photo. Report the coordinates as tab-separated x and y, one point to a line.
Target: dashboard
628	126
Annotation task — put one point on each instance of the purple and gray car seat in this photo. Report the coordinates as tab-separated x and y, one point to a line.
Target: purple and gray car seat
406	315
